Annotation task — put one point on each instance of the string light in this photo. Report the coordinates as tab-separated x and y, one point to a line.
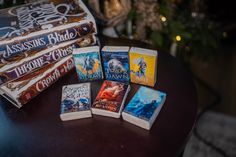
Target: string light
178	38
225	34
163	18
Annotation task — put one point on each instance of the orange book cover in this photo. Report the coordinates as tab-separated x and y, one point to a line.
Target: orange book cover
111	96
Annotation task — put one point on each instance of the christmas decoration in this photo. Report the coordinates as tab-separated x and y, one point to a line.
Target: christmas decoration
180	27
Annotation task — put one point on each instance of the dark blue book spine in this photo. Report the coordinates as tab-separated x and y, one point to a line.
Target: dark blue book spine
41	41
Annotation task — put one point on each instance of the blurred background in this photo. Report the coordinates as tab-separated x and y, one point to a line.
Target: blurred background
199	33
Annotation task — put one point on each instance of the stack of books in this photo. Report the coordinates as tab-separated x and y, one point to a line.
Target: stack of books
36	44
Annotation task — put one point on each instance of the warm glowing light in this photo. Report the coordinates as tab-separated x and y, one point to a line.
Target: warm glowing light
163	18
178	38
225	34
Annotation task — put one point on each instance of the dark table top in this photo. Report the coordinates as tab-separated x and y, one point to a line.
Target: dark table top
36	129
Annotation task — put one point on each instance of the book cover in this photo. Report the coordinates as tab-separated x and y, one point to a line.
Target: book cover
143	66
17	68
40	24
144	107
22	90
110	99
88	63
116	63
75	101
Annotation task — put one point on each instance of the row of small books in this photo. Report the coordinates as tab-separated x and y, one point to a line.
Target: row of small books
142	109
36	44
120	63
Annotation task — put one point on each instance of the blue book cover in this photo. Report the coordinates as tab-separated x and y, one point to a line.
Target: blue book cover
88	63
145	104
116	63
75	101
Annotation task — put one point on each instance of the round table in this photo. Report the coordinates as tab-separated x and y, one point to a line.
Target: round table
36	129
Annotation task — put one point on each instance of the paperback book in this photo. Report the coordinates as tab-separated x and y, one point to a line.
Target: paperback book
15	69
88	63
144	107
143	66
116	63
75	102
22	90
34	26
110	99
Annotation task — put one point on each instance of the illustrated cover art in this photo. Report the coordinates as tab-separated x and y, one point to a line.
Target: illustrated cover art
75	98
142	68
88	63
145	102
110	96
116	63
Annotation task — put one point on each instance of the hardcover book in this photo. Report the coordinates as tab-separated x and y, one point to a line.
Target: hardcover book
22	90
110	99
34	26
143	66
116	63
75	102
88	63
19	67
144	107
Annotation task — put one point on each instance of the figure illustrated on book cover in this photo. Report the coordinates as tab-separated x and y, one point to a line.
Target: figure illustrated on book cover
116	65
75	98
142	69
110	96
88	66
144	103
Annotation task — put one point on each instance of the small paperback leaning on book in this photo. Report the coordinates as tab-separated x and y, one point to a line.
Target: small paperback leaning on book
88	63
116	63
110	99
19	67
144	107
75	102
143	66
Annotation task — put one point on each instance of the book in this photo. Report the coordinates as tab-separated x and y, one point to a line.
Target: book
17	68
110	99
34	26
22	90
75	102
143	66
116	63
88	63
144	107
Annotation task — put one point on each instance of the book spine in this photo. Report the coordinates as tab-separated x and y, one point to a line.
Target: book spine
38	62
32	91
41	41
